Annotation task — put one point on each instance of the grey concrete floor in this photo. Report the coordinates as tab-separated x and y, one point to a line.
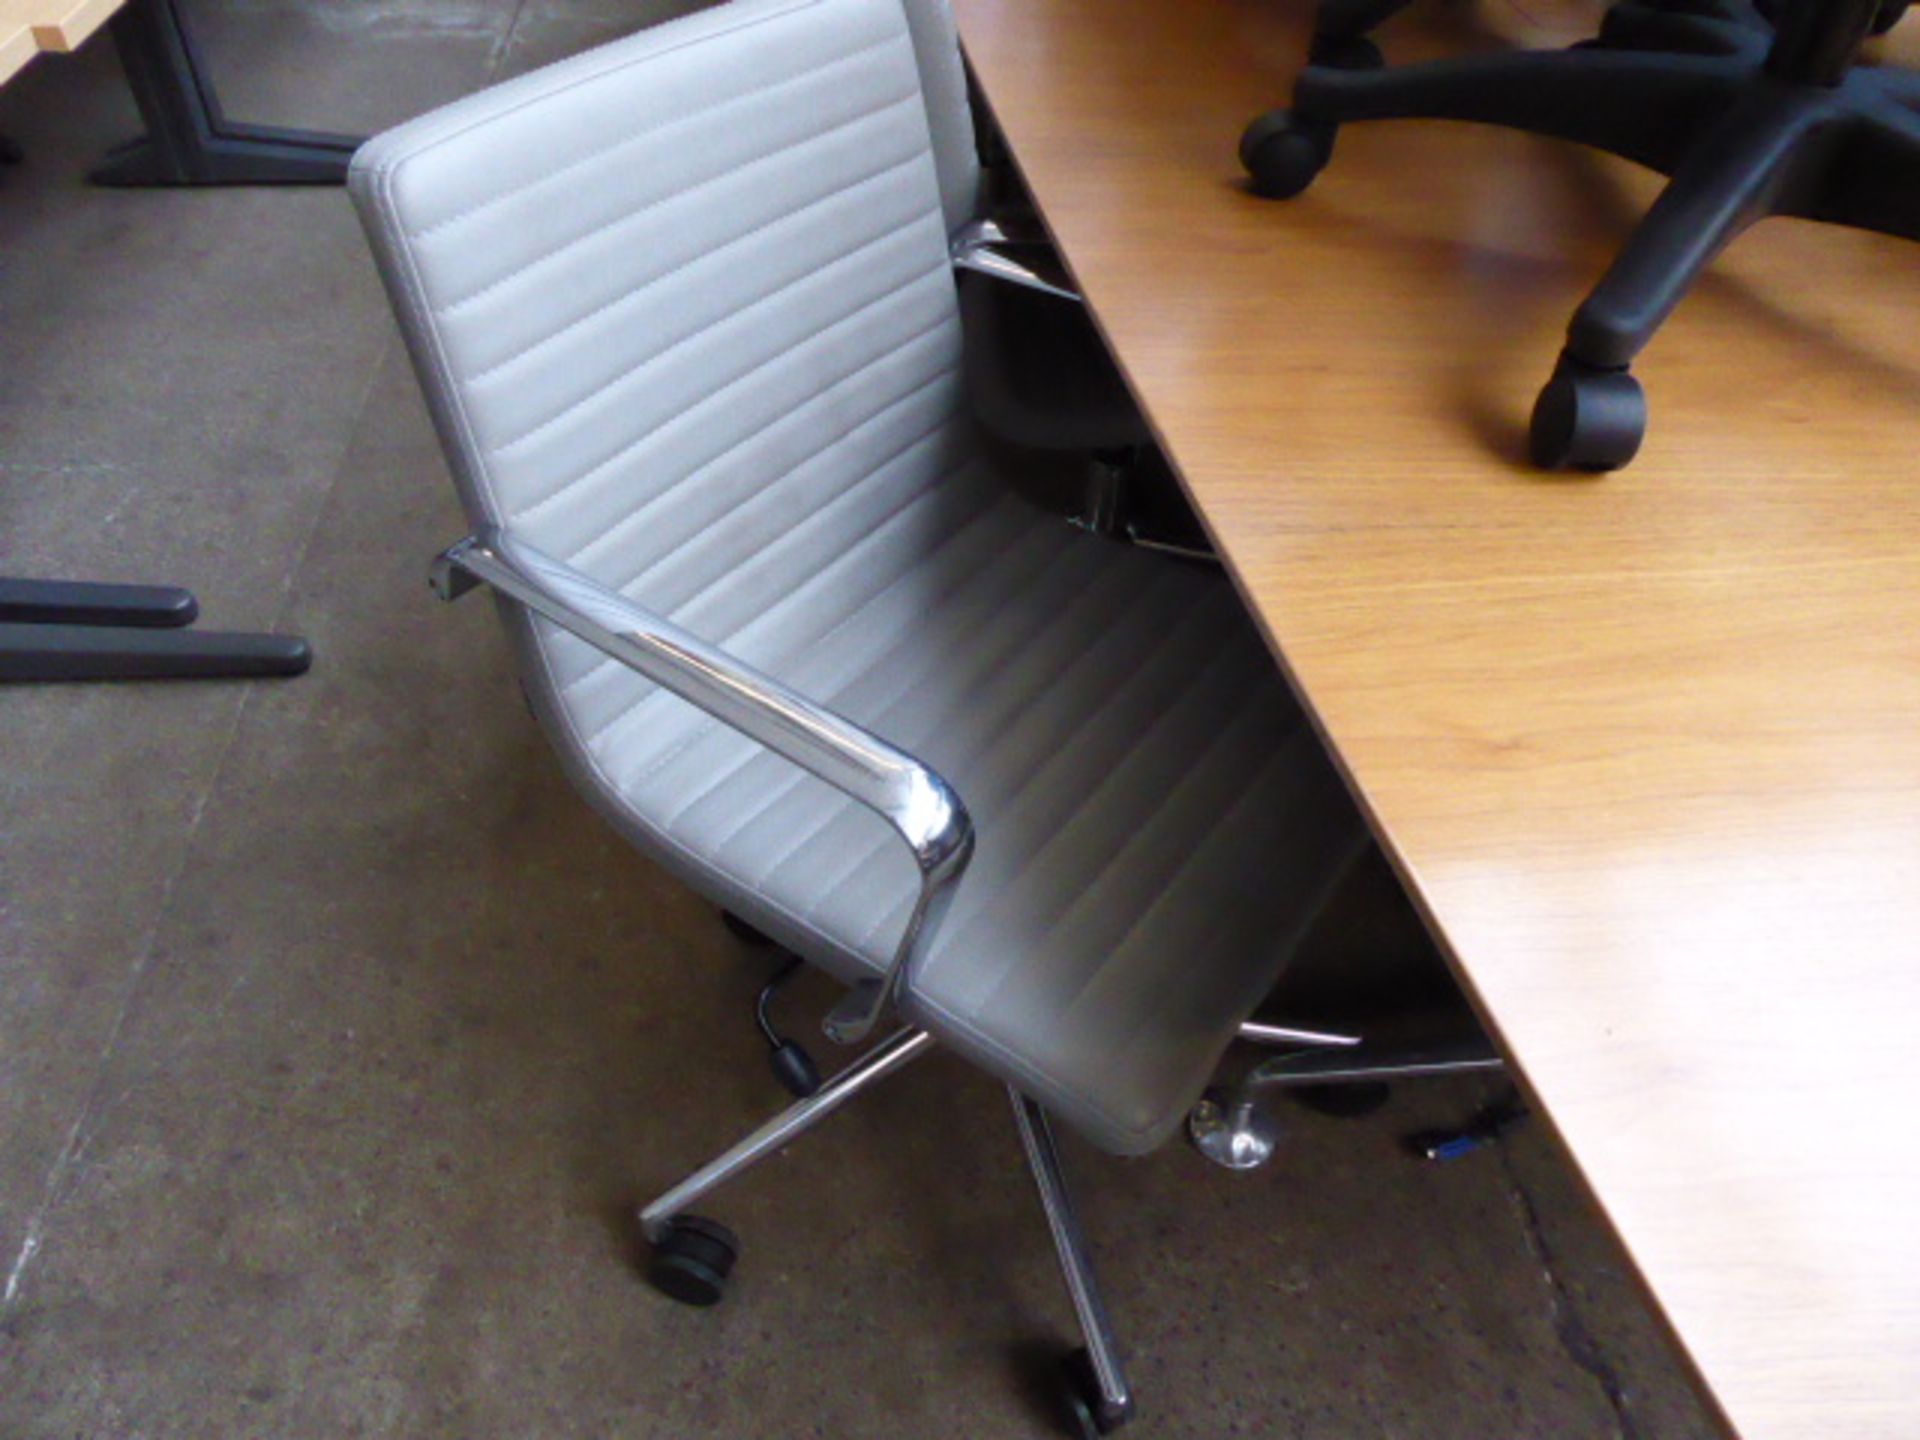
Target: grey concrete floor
337	1036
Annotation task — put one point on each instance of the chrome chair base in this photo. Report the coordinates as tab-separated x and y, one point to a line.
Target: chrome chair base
1096	1392
1235	1130
692	1256
1233	1135
656	1219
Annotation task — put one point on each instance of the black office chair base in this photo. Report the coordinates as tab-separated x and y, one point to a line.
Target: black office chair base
188	140
1088	1413
691	1262
1346	52
1748	122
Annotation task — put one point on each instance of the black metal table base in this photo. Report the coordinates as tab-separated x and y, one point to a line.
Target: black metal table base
188	140
78	630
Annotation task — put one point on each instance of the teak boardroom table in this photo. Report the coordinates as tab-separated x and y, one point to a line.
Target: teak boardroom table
1646	747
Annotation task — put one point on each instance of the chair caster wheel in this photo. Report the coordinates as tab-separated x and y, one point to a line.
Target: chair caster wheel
1283	152
1588	419
691	1262
1089	1414
793	1067
1345	52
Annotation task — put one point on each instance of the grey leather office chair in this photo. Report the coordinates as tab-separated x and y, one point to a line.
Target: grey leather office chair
683	309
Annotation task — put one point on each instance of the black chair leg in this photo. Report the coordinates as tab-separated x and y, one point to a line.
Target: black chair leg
1574	96
1873	176
1732	177
1726	28
1350	19
1592	413
1568	95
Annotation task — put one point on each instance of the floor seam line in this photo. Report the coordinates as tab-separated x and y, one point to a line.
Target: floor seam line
504	45
77	1135
90	1112
1569	1328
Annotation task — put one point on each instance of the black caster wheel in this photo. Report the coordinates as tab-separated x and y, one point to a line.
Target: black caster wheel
1283	152
1089	1414
1344	1102
691	1262
1345	52
793	1067
740	930
1587	419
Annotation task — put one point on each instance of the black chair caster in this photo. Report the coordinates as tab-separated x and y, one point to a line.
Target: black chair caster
1284	152
1089	1414
1587	418
793	1067
691	1262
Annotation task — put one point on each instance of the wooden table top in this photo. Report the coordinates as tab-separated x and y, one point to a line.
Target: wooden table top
28	27
1646	746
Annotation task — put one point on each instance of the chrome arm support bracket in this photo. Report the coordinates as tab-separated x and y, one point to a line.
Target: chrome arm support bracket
973	248
911	797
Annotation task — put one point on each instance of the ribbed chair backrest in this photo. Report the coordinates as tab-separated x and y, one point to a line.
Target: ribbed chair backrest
682	305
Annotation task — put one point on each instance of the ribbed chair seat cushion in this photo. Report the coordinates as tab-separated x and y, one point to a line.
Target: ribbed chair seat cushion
1156	822
688	324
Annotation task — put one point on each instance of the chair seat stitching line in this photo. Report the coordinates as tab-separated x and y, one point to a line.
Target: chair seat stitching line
655	132
450	308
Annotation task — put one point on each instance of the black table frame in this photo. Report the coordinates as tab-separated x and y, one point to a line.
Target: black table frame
189	140
83	630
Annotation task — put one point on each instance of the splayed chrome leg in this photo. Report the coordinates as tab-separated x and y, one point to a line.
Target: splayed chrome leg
1096	1385
878	1063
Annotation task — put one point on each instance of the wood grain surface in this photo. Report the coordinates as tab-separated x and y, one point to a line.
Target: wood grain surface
28	27
60	25
1646	746
17	43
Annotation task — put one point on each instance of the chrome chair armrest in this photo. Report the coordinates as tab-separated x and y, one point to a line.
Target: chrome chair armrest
921	807
977	246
